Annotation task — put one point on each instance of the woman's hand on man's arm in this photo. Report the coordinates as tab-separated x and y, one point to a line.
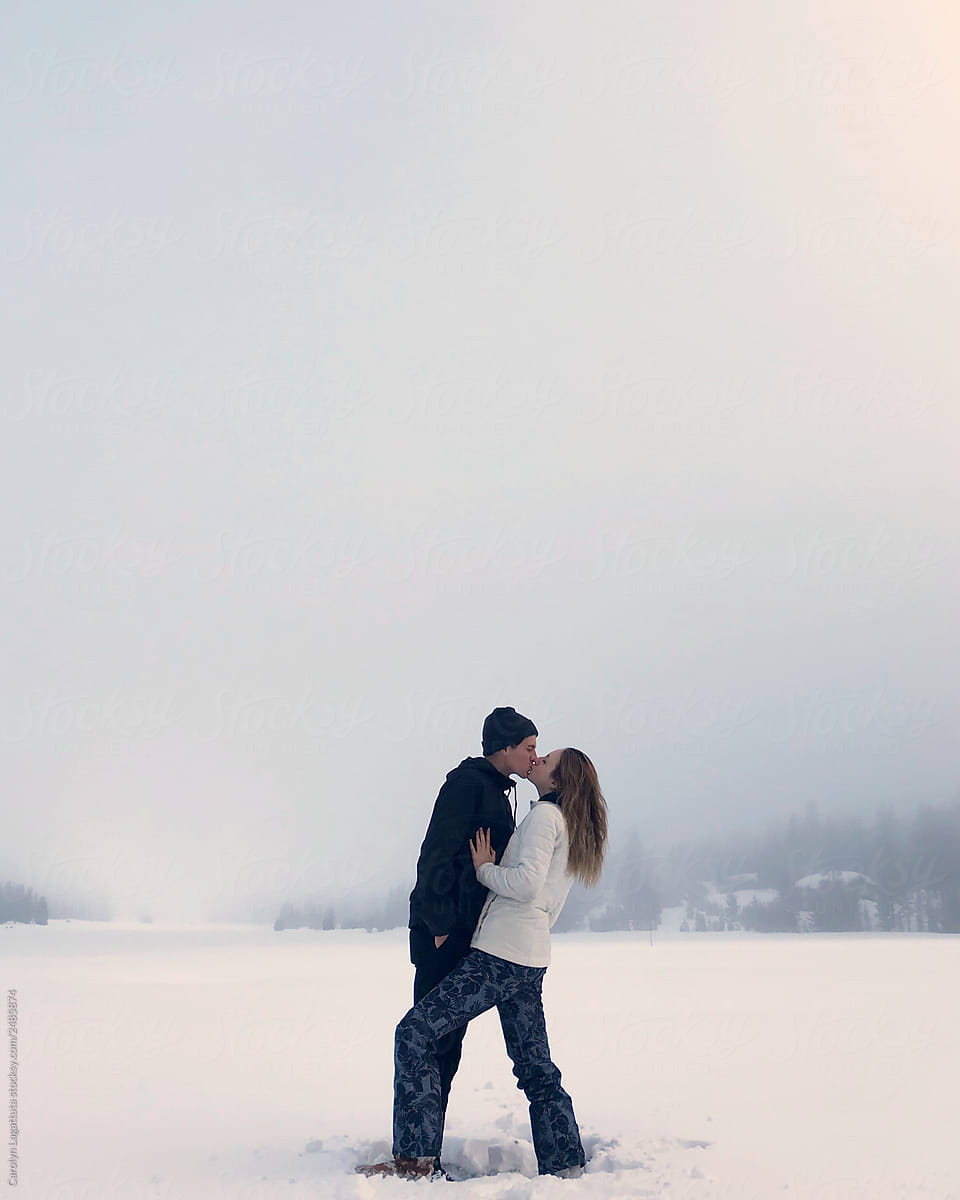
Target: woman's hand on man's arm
482	852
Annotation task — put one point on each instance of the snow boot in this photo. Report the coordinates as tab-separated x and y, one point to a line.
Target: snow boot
405	1168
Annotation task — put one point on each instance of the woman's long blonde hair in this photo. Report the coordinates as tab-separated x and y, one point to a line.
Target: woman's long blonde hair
585	811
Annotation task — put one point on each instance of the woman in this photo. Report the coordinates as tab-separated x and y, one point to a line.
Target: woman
563	837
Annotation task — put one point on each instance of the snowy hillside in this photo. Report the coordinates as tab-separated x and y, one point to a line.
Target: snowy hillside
814	881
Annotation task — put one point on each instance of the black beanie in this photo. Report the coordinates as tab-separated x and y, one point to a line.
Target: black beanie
506	727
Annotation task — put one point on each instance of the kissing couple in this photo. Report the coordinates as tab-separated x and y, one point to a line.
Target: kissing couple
488	892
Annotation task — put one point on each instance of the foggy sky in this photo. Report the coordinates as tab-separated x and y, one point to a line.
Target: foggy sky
372	366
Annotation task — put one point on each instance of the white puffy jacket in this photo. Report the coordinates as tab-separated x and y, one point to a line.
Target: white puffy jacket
528	889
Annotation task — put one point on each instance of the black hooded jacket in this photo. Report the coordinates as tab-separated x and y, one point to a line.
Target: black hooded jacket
448	897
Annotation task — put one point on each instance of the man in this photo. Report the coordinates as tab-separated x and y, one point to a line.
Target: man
446	901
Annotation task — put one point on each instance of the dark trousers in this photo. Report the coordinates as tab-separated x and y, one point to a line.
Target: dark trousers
433	965
479	982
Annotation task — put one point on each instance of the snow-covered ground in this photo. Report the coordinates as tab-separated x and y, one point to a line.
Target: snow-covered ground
234	1062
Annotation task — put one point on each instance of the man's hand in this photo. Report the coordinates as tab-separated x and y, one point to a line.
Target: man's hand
438	941
482	852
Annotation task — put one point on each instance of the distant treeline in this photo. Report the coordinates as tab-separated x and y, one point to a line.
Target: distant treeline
816	874
18	903
390	913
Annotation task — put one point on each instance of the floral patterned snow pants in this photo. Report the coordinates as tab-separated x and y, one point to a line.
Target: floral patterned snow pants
478	983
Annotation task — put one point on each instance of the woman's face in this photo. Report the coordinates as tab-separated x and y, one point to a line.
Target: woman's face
542	770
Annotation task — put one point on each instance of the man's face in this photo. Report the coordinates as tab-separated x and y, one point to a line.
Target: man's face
519	759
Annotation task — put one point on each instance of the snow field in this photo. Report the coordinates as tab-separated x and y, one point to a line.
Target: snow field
234	1062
